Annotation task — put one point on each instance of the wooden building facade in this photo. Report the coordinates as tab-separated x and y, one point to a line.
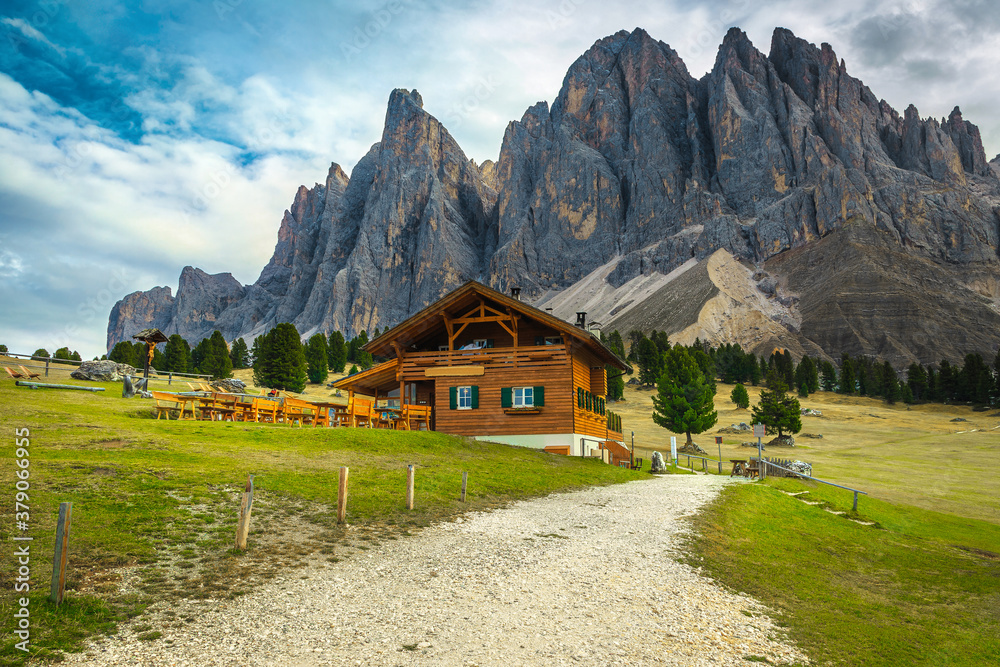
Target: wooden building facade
495	368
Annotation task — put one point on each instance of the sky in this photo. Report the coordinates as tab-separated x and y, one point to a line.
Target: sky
137	138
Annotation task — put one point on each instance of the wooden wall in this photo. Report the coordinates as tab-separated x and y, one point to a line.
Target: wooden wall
586	421
556	415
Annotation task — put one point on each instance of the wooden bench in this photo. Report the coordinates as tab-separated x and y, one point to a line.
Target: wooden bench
637	464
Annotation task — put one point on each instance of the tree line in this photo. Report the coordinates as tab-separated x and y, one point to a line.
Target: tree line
975	381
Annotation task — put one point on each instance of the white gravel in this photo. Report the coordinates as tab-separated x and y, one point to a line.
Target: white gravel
583	578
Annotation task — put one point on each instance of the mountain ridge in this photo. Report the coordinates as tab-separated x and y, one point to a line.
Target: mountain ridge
636	164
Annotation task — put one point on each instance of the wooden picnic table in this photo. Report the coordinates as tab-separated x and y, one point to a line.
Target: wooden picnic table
739	467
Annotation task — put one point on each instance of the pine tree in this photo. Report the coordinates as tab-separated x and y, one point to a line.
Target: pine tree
336	352
121	353
279	361
615	380
806	377
178	355
947	383
916	379
829	381
63	353
159	359
846	385
239	354
890	384
777	410
199	356
649	359
354	369
862	380
218	362
317	360
740	397
685	399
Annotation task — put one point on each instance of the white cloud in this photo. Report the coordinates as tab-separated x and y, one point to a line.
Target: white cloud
31	32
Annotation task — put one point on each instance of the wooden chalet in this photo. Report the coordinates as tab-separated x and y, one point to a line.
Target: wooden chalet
489	366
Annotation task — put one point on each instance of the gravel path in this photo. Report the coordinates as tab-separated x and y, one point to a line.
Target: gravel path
579	578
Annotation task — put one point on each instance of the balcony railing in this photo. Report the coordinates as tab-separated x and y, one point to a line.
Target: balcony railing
534	356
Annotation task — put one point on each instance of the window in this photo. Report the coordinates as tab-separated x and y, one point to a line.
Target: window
463	398
524	397
553	340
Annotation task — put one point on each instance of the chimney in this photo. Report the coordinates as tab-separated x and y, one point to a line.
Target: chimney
581	319
515	293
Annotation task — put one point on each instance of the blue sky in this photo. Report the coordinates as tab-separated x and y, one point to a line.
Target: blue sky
137	138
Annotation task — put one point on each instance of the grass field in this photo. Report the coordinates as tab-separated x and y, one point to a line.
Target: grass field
915	455
916	587
163	496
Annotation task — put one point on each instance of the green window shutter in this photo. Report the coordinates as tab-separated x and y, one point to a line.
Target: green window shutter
539	395
453	398
589	401
506	397
579	397
603	409
475	397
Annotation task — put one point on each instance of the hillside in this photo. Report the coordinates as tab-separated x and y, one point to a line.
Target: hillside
636	172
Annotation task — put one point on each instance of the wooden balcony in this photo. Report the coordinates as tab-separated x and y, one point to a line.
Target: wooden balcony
416	364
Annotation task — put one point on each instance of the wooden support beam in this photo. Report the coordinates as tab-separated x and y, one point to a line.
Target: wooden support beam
342	496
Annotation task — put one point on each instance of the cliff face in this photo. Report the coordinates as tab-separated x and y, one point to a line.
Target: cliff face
636	167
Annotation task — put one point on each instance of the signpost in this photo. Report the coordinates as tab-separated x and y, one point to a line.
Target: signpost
759	431
673	449
718	441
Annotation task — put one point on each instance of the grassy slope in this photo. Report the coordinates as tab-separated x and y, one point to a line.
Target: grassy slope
164	496
912	455
917	588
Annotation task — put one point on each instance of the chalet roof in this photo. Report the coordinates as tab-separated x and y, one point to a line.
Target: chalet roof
151	336
369	380
430	318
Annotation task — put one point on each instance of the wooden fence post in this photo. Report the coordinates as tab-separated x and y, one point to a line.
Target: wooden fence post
409	486
243	525
47	360
61	553
465	483
342	496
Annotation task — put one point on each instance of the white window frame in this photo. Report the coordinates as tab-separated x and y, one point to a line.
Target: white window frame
522	397
463	395
480	343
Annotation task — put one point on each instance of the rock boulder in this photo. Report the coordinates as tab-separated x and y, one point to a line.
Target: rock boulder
103	371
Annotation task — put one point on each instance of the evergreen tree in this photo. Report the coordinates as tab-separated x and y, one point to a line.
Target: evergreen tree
648	358
239	354
217	362
947	382
354	369
996	379
139	354
685	398
63	353
933	385
846	385
916	380
890	384
829	381
336	352
201	352
121	353
3	349
906	393
806	377
279	360
788	364
178	355
704	362
862	379
754	372
975	380
317	361
777	410
740	397
615	380
763	367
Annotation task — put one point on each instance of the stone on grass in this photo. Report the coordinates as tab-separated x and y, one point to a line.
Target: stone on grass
657	464
102	371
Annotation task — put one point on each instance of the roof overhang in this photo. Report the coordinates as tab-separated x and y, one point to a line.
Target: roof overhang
431	319
376	377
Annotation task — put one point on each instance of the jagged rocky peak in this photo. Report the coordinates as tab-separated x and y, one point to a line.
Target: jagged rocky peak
635	170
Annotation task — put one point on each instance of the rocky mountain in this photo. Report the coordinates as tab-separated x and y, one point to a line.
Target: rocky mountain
637	170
